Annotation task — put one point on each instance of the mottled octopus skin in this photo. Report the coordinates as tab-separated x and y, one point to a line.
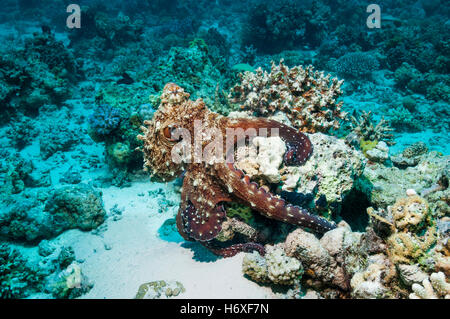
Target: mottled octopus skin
206	186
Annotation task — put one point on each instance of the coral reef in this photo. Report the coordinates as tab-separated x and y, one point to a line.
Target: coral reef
73	101
307	97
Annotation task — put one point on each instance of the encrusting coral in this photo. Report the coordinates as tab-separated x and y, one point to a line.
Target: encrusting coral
410	155
413	230
274	267
307	97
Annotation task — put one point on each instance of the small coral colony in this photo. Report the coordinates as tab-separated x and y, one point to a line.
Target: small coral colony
337	131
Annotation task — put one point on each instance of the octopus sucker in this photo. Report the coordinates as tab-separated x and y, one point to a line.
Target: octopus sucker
206	187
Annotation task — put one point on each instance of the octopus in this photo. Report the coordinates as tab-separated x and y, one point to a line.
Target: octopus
212	181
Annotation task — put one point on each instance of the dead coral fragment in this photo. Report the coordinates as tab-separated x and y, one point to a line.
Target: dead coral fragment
308	97
160	289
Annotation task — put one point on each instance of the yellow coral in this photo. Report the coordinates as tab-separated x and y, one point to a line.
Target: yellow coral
119	152
410	213
415	233
408	247
240	211
367	145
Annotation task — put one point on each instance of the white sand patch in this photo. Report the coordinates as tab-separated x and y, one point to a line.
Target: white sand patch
138	255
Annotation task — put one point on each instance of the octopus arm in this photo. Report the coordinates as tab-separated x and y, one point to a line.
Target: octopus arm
201	212
232	250
268	204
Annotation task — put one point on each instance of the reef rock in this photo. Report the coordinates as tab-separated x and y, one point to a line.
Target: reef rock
315	257
45	213
368	283
410	155
384	184
274	267
79	206
330	171
379	154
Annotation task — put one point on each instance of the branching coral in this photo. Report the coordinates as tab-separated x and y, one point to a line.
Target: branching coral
306	96
104	121
17	279
365	129
433	288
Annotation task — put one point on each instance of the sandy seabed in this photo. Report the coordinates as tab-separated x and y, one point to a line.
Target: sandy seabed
130	252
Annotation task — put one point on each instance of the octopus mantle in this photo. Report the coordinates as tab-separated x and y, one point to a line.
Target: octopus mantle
207	186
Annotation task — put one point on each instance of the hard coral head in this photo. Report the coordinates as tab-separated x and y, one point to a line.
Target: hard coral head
160	136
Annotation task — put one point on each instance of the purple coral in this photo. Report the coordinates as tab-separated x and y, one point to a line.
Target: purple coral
104	120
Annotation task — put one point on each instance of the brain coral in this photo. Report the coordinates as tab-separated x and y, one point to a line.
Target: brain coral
356	64
306	96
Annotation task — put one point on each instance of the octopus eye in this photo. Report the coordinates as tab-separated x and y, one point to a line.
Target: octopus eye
168	132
